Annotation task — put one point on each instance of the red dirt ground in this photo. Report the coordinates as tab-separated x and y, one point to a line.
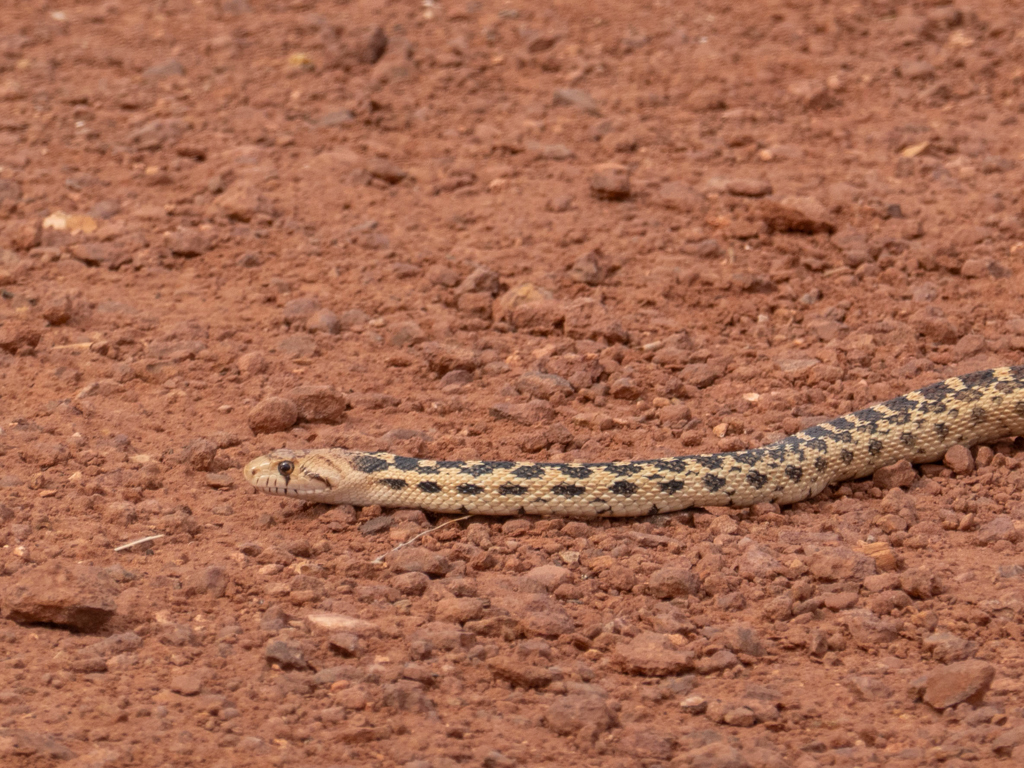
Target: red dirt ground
501	230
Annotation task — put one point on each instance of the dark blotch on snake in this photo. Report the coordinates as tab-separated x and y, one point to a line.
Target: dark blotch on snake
428	487
709	461
468	489
757	479
672	486
818	444
749	458
511	490
978	378
936	392
577	473
568	490
394	483
713	482
477	470
622	488
623	470
529	471
676	465
901	404
794	473
367	463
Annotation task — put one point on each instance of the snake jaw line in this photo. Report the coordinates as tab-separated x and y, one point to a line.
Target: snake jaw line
919	426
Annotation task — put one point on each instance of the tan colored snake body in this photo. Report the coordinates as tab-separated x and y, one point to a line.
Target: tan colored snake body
919	426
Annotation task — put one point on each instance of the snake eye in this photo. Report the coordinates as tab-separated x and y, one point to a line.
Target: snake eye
285	468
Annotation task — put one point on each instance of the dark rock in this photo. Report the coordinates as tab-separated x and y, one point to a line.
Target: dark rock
285	654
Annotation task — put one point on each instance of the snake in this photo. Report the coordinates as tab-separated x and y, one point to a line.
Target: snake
919	426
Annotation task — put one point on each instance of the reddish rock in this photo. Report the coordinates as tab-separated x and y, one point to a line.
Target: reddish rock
519	674
420	560
667	583
651	653
610	181
319	403
459	610
965	681
797	214
959	459
275	414
841	564
73	595
15	336
543	386
576	712
549	576
899	475
870	631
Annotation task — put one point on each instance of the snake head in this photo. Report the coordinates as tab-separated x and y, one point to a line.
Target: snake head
282	472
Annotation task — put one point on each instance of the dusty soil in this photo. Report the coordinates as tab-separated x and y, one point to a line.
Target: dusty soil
500	230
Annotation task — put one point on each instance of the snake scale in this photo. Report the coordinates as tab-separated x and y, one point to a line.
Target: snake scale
919	426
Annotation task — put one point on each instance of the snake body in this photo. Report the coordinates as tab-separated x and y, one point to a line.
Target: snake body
919	426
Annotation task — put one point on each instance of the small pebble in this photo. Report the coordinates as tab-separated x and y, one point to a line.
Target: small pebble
959	459
275	414
610	181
